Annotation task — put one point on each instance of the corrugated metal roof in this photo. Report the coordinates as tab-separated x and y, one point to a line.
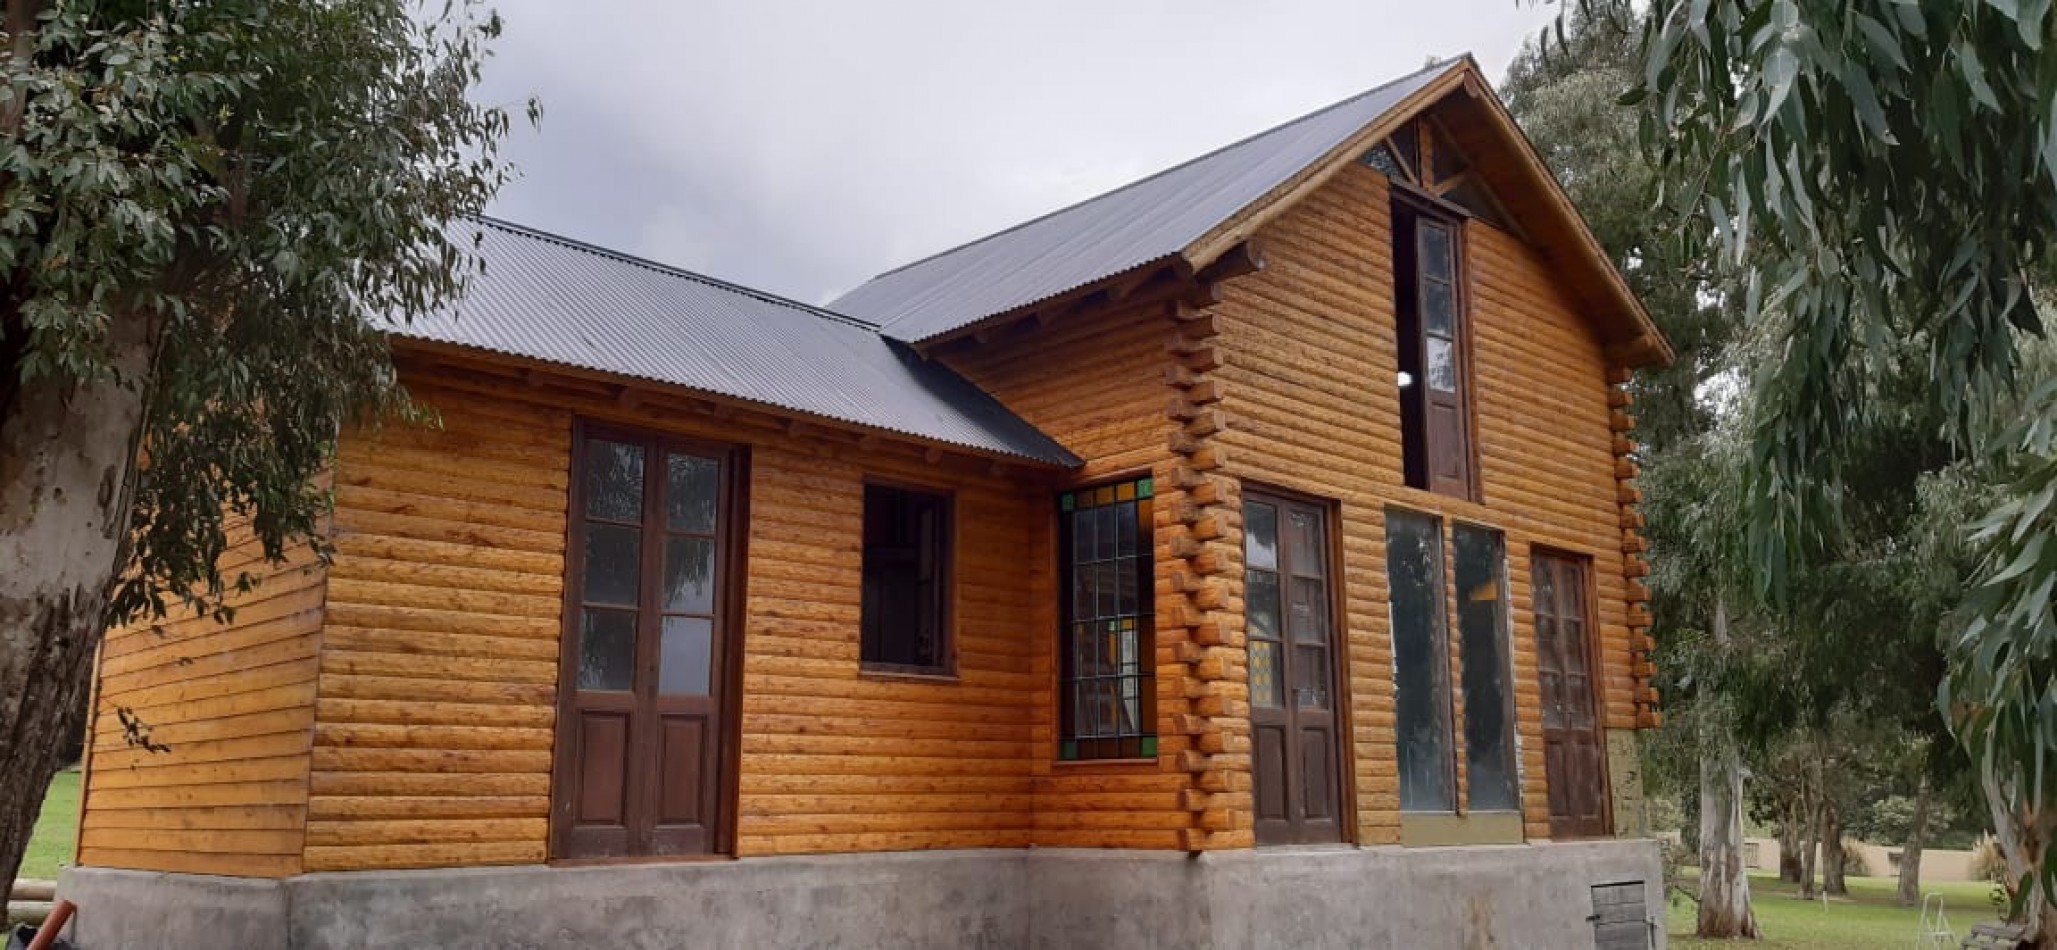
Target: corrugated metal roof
560	301
1138	224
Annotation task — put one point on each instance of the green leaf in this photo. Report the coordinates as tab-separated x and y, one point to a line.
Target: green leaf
1974	73
1780	69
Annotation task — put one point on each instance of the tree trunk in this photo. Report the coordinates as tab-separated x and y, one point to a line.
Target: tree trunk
1789	841
1810	831
1725	910
1910	855
1832	854
2024	830
67	463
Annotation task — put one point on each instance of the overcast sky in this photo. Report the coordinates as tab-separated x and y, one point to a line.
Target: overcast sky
800	147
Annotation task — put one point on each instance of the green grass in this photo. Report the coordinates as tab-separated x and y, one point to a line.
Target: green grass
1867	918
50	847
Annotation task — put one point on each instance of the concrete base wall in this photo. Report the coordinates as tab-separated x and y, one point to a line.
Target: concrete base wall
1525	896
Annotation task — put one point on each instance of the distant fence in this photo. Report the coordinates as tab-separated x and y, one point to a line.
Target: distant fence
1937	864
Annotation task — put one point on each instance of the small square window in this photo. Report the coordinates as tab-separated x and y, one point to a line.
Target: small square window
906	581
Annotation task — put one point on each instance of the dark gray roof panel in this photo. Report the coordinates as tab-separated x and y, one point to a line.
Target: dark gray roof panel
559	301
1138	224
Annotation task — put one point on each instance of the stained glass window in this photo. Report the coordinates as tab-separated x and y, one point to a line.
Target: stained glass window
1109	689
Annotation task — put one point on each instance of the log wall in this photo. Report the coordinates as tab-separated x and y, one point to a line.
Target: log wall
438	687
1312	405
1096	382
198	747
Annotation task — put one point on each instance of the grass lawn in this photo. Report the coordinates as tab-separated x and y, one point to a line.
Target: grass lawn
56	830
1867	918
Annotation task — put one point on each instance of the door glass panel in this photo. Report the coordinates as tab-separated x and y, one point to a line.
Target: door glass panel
614	564
1309	612
613	483
1414	563
1435	250
607	649
691	486
1261	606
1438	308
1264	674
1482	635
685	656
1304	543
1260	536
1310	677
689	575
1442	365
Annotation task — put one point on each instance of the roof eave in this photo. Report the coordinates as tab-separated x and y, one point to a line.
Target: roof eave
1063	460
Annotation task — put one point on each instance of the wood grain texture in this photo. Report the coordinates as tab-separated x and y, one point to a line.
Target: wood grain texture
1096	383
1309	390
438	681
227	709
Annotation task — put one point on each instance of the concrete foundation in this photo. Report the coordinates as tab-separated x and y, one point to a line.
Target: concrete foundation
1513	896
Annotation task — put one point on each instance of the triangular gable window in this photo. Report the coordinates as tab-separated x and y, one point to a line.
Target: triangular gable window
1422	154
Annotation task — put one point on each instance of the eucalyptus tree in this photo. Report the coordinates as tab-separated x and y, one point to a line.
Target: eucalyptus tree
1564	90
1888	171
200	203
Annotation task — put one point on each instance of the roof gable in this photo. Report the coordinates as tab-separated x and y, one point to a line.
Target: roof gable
1194	213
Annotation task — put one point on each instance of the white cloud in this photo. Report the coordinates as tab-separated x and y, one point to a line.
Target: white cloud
803	146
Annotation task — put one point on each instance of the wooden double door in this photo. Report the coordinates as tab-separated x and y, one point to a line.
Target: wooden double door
643	738
1289	597
1573	754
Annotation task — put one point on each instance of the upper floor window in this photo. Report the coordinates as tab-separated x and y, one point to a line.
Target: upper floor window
1107	702
1435	378
906	581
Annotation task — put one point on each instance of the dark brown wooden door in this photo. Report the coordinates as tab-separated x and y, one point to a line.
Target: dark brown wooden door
1572	752
641	738
1288	597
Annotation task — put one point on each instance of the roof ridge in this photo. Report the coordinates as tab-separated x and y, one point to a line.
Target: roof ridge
662	268
1338	104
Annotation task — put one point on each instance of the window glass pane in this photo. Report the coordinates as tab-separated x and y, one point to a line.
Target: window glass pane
1310	677
906	537
607	649
689	575
1442	365
1480	566
1414	564
1438	308
685	656
614	561
1405	147
1308	610
1382	158
691	484
1260	536
613	482
1264	674
1436	262
1305	545
1261	604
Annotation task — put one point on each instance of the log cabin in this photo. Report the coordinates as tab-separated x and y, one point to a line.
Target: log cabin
1244	557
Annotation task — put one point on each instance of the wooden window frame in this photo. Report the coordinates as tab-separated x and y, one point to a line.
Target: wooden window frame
1147	737
725	666
1420	203
946	588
